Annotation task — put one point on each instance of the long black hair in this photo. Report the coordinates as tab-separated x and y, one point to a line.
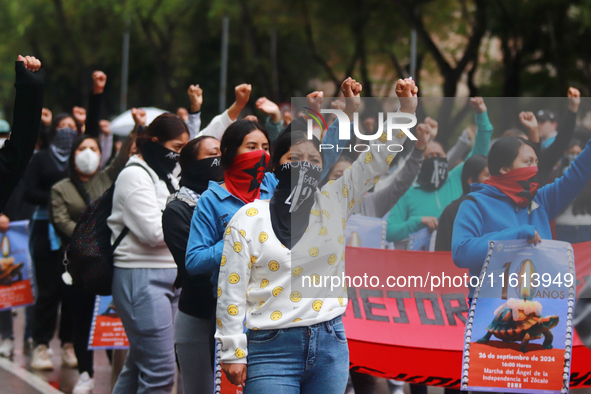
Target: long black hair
165	127
234	136
472	169
504	152
74	178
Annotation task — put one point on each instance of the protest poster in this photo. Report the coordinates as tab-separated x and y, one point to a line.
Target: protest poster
365	232
16	272
519	334
423	240
107	330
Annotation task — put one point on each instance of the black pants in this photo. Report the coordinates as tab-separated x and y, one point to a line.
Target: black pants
50	287
362	383
82	306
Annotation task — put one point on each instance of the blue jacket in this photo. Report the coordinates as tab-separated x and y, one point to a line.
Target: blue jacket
217	206
494	216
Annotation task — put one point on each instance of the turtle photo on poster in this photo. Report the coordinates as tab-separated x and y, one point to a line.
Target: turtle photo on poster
519	331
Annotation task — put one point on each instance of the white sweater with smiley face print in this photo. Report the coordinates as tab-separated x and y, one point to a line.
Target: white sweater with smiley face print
277	288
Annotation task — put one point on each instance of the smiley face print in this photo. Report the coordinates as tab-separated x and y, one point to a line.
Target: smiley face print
389	159
219	322
239	353
263	237
237	247
232	310
295	296
234	278
317	305
277	291
264	283
297	271
276	315
368	158
314	251
273	265
224	259
252	212
332	259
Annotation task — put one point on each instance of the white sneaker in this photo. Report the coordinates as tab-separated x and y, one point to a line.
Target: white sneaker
7	348
42	358
85	384
69	356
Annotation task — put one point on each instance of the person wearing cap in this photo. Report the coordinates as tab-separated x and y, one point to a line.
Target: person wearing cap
547	127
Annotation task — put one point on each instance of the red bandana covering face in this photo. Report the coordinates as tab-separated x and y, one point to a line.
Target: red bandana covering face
517	185
243	179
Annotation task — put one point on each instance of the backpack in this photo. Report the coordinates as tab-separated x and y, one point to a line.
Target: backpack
89	256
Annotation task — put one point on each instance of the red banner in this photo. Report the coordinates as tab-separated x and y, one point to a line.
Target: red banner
414	332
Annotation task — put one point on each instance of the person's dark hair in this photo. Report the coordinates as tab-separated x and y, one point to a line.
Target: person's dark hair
234	136
472	169
582	203
55	123
504	152
165	127
72	166
286	140
514	133
190	152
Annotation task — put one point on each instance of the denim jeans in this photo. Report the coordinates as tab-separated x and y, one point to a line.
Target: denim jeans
306	360
573	234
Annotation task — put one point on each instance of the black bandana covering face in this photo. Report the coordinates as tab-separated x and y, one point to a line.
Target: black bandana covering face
293	199
433	173
162	160
196	175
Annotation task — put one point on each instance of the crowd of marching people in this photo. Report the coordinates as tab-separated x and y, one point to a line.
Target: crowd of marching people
208	225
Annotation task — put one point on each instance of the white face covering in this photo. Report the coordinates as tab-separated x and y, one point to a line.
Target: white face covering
87	161
2	142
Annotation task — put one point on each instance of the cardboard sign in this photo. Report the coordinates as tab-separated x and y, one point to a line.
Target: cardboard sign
16	284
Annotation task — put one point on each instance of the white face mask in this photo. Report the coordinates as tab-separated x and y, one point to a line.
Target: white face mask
87	161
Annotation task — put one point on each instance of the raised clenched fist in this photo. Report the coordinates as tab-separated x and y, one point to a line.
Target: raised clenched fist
351	90
139	116
314	99
182	113
100	80
574	99
243	94
407	92
270	108
46	117
105	126
528	119
477	104
31	62
196	97
79	115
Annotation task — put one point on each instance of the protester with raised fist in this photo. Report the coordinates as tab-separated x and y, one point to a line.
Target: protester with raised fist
263	242
435	187
28	104
509	204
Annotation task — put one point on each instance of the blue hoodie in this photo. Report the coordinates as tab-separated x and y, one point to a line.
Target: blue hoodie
495	217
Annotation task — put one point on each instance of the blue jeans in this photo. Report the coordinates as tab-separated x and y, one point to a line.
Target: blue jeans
573	234
306	360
